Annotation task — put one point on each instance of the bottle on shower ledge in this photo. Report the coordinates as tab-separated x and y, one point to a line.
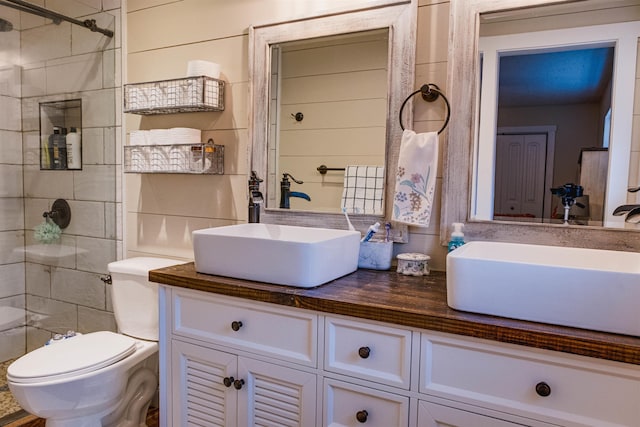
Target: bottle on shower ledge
74	152
57	149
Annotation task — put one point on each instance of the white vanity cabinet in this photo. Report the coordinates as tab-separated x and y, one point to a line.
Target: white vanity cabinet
540	385
377	356
229	361
368	351
215	388
347	404
439	413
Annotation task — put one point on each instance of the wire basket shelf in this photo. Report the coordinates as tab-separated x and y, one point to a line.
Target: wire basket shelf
185	95
205	158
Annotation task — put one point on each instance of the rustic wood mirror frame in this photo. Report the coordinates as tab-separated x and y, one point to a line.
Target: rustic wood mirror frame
462	88
401	20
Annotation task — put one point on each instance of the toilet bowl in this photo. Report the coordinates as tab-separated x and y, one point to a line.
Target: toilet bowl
99	378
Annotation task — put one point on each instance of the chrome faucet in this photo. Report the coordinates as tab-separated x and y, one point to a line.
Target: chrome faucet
255	197
286	193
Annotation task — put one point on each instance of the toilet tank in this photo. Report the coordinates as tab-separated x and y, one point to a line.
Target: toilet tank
135	298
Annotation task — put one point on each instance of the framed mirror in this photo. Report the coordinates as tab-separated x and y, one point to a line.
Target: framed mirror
484	33
325	96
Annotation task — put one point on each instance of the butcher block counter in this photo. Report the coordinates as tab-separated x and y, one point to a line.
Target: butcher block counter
418	302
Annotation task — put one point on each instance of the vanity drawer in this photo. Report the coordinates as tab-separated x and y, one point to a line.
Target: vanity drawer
369	351
351	405
262	328
547	385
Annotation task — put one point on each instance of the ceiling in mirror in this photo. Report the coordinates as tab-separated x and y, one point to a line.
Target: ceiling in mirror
573	76
328	113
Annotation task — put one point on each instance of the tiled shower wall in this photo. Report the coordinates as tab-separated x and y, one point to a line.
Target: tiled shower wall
12	283
61	62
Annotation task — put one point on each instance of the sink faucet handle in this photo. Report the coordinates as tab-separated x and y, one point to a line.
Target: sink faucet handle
286	176
254	180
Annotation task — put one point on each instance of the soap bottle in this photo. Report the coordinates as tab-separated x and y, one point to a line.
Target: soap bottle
54	149
74	153
457	237
62	147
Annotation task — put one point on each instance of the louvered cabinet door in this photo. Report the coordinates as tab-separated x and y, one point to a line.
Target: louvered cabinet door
200	397
275	396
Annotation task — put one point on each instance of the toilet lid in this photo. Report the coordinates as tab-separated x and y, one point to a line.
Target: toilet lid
71	357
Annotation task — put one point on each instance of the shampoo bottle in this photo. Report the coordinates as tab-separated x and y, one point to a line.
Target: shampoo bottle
457	237
62	147
74	153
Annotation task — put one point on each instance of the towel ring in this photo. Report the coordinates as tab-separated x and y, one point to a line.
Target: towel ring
430	92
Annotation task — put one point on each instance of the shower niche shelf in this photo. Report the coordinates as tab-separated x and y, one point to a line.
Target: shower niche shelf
61	135
184	95
205	159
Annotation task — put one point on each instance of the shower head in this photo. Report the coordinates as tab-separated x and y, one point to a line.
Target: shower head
5	25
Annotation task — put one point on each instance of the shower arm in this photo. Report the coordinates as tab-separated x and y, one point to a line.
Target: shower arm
33	9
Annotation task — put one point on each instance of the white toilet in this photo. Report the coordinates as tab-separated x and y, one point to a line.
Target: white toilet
100	378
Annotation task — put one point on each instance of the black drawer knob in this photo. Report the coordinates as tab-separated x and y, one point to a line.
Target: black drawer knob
362	416
236	325
543	389
238	384
227	381
364	352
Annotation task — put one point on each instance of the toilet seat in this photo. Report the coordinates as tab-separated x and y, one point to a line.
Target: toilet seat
71	357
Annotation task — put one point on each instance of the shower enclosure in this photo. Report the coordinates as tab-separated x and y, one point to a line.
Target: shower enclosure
49	287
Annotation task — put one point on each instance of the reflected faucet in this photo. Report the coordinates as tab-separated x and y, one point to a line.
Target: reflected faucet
255	197
632	212
286	194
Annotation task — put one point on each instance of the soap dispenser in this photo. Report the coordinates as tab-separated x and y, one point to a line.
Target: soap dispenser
457	237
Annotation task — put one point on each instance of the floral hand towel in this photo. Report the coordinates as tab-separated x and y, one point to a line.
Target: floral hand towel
416	178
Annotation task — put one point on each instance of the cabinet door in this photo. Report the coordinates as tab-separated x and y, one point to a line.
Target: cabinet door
434	415
350	405
199	396
275	396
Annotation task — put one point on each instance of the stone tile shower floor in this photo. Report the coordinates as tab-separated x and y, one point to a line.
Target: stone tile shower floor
8	405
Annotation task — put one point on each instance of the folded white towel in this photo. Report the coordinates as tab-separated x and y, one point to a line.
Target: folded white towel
416	178
363	191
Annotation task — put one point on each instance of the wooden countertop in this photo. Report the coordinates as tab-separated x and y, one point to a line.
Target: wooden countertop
417	302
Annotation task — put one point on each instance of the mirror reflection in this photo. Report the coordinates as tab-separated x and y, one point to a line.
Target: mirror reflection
553	125
328	116
556	107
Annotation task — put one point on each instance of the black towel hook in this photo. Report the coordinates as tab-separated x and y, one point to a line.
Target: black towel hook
430	92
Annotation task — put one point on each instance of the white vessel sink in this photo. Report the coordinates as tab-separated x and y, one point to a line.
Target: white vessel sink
584	288
281	254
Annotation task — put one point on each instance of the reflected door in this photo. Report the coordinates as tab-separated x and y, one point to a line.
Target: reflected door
520	176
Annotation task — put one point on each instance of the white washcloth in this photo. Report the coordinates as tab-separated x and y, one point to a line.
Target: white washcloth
416	178
363	191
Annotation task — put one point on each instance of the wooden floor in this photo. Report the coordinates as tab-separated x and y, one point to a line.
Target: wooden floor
33	421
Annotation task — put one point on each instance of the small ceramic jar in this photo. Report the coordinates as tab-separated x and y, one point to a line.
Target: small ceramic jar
413	264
